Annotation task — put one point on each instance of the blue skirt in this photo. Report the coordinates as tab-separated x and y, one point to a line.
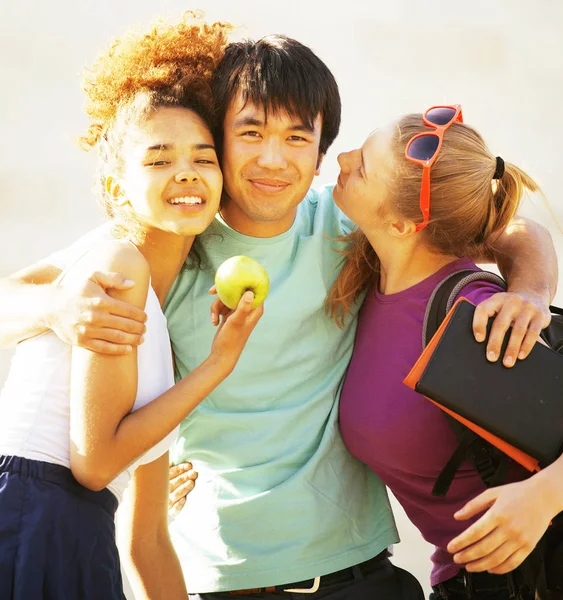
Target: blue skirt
57	538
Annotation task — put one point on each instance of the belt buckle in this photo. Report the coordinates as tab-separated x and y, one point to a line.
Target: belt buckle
314	588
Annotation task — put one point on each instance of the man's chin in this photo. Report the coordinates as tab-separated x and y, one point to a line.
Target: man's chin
272	216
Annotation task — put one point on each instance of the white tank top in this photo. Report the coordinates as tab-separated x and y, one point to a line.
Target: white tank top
35	400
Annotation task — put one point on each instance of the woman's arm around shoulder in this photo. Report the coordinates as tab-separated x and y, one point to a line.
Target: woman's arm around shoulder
149	559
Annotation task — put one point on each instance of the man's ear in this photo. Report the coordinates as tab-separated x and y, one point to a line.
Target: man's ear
114	189
319	163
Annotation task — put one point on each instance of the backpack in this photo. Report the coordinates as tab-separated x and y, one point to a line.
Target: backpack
543	568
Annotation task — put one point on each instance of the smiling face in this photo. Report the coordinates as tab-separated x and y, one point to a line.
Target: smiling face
365	176
171	178
268	167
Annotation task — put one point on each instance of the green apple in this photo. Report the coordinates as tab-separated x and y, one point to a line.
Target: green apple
240	274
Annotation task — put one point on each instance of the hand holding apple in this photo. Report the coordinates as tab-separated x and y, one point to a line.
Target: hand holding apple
233	329
240	274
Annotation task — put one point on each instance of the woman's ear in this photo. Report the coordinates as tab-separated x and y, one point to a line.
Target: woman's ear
115	190
402	228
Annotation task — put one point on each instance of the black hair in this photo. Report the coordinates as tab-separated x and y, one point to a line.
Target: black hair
278	72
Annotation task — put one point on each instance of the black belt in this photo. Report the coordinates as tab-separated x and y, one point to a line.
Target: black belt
468	584
310	586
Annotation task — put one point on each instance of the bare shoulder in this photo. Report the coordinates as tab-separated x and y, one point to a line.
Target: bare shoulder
122	257
116	256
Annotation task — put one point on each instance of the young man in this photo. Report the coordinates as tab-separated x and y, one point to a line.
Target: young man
280	504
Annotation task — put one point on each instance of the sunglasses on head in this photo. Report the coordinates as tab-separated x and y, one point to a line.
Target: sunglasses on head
423	149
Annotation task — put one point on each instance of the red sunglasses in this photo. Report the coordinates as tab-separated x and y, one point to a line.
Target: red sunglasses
423	149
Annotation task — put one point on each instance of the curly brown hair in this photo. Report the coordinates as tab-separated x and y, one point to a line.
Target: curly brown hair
150	61
168	65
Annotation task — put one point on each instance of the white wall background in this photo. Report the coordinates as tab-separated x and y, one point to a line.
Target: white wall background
501	59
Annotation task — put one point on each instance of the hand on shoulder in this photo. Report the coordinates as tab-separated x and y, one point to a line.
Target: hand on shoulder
101	298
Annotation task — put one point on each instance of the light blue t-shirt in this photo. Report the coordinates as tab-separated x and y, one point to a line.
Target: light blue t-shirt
279	499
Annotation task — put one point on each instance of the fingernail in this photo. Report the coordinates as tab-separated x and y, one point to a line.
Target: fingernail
128	348
248	296
141	339
479	337
129	282
522	355
492	356
508	361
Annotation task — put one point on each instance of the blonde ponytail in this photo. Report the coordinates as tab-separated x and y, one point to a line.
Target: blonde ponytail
506	195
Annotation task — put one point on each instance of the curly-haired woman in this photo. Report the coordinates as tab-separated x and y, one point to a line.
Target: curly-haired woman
76	424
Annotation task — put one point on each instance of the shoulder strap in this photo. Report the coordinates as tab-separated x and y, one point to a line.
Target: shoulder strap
444	295
489	462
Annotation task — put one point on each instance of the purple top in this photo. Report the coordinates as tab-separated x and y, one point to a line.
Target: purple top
402	436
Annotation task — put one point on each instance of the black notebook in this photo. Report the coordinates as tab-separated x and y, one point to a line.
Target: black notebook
522	406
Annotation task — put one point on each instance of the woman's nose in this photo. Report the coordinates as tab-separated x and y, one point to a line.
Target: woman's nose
186	176
344	161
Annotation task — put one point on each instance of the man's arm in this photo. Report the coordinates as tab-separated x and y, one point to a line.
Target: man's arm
526	258
83	315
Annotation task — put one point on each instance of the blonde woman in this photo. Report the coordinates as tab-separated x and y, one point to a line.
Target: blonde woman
426	193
